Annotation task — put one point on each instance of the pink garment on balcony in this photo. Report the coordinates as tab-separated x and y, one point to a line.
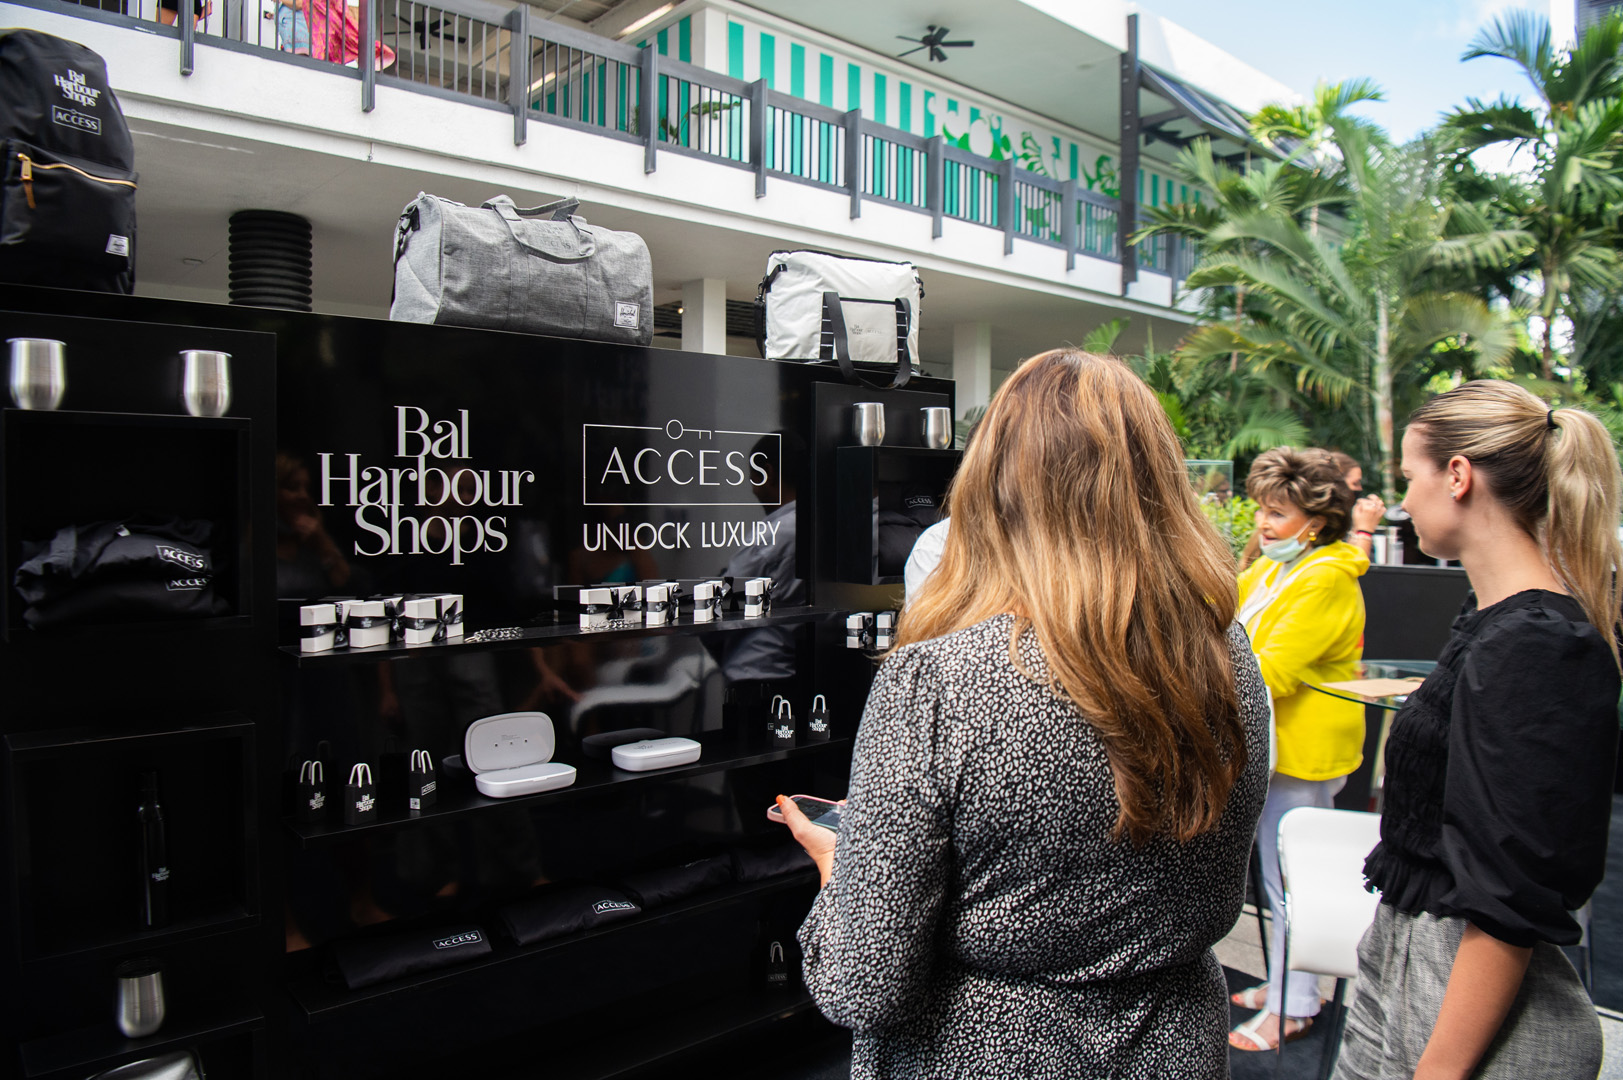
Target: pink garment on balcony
335	34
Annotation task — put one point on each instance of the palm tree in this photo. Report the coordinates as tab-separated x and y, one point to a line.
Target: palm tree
1563	212
1349	318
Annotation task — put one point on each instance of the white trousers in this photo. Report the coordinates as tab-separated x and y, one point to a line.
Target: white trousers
1287	793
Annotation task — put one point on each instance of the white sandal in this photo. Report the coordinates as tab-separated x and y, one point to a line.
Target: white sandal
1248	1031
1252	997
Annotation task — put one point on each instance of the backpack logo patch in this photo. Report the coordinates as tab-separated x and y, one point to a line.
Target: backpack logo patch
76	90
73	118
627	315
118	245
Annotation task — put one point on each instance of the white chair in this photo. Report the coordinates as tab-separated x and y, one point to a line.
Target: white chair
1327	909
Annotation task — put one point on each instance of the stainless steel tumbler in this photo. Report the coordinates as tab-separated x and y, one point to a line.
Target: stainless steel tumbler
140	997
205	385
870	422
937	429
38	373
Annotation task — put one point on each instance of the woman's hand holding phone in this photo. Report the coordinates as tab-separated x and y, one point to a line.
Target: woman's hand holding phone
818	841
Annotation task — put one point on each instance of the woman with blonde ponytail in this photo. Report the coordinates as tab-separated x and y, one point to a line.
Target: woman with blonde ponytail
1059	768
1499	768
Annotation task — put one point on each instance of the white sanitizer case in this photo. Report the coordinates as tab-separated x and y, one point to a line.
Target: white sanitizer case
511	754
655	754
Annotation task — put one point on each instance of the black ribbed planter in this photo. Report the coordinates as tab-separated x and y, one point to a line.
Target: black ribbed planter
270	259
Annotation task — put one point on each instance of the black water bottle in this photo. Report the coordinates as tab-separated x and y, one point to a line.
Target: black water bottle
154	856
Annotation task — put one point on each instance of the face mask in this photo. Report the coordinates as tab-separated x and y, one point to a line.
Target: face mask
1286	550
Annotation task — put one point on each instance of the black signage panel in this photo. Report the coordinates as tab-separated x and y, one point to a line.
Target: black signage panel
502	465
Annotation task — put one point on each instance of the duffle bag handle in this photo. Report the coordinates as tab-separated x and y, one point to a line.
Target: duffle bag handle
834	316
511	213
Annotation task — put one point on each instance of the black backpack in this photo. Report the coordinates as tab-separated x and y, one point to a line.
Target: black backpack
67	182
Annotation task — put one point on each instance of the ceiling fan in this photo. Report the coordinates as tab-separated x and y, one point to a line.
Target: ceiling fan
934	40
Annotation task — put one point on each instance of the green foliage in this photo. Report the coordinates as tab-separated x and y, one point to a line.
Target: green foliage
1235	520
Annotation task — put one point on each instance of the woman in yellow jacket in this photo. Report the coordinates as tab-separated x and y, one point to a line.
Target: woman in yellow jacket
1302	607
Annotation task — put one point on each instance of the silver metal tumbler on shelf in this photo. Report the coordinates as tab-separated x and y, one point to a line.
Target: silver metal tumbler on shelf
140	997
937	429
38	373
205	384
870	422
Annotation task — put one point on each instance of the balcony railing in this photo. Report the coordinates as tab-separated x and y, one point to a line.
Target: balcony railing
504	58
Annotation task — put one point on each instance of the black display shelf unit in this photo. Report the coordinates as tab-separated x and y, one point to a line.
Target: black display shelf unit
74	1054
868	478
147	465
319	998
91	707
71	888
531	636
722	753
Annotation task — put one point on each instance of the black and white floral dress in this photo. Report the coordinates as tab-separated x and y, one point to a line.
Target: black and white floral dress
981	921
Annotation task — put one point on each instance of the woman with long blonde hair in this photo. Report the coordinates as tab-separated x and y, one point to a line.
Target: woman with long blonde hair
1059	767
1499	767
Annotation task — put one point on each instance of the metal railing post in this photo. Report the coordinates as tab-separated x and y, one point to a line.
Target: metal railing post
1069	204
369	50
758	115
853	160
188	34
935	183
1005	204
650	95
518	72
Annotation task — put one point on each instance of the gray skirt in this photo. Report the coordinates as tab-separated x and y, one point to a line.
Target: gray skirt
1404	962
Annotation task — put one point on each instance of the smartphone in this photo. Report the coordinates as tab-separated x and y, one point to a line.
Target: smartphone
819	811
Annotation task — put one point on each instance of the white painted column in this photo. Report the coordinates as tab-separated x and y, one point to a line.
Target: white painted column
710	39
972	364
704	315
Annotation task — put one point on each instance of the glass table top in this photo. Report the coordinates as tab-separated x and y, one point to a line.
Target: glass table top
1414	670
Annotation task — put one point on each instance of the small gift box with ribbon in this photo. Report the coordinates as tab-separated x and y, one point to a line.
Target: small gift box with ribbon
708	598
757	597
419	619
859	630
360	796
310	793
340	605
627	603
421	786
596	608
394	609
659	604
450	617
368	623
817	729
783	725
318	627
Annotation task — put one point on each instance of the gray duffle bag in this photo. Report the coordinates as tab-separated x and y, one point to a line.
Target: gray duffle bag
536	271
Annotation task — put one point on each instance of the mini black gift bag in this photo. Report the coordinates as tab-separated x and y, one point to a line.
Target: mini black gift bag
421	786
360	796
778	701
777	968
310	793
783	730
817	729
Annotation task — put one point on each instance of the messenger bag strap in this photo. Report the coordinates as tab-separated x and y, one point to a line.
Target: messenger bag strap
838	337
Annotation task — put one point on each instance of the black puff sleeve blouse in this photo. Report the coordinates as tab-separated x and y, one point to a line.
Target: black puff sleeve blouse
1499	773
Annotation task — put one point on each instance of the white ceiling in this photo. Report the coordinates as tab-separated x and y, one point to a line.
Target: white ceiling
1021	54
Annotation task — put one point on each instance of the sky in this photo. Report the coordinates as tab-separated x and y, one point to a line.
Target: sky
1412	48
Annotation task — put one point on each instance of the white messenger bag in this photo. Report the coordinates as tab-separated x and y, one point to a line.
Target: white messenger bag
815	307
